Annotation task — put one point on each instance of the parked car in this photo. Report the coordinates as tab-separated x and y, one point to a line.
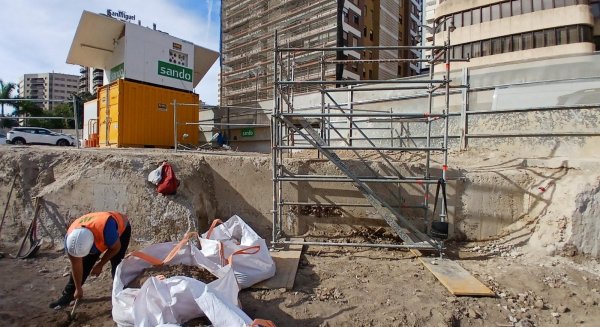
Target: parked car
36	135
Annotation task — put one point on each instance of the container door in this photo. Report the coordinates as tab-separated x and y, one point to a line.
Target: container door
108	115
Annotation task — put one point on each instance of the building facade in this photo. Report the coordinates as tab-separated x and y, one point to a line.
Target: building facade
248	29
48	86
90	79
492	32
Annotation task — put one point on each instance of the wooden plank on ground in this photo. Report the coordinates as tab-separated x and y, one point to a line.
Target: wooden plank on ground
286	262
455	278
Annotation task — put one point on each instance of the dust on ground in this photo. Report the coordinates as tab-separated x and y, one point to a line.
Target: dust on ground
352	287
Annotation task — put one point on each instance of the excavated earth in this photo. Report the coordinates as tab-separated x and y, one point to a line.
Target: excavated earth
541	260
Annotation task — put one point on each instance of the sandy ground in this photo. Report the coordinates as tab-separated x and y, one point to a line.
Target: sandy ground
351	287
334	286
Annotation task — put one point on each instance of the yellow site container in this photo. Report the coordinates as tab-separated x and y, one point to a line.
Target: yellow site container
141	115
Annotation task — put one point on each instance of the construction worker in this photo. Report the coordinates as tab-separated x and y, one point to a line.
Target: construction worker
89	237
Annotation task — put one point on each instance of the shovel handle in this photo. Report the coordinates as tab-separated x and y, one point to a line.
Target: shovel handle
74	307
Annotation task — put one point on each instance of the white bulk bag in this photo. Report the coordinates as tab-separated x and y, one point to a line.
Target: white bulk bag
252	263
176	299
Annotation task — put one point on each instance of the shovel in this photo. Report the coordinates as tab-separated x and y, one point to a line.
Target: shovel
31	242
72	314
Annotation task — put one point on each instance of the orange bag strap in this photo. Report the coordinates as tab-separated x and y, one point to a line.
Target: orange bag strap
249	250
157	262
262	322
212	226
146	257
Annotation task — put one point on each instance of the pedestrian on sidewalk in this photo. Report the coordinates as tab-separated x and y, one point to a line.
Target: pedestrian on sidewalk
89	237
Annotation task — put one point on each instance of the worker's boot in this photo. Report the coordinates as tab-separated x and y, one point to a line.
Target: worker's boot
62	302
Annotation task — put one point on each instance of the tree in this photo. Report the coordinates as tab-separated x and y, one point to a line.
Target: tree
6	90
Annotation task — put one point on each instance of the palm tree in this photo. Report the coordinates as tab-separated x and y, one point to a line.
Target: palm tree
5	93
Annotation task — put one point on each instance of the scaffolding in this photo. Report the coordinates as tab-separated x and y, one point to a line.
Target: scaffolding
247	34
311	128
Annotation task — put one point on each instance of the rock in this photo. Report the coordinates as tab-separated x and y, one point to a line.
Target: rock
512	319
555	314
524	323
473	314
523	297
43	270
451	299
66	274
562	309
502	295
539	304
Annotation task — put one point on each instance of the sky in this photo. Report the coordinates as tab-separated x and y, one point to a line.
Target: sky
36	34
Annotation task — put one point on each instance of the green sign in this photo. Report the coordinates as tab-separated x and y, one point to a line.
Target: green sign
174	71
248	132
117	72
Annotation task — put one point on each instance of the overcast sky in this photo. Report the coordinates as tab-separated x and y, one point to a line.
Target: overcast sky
36	34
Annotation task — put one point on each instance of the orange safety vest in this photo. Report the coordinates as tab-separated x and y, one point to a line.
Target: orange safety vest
95	222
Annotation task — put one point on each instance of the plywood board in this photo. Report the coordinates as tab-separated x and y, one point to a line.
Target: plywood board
455	278
286	262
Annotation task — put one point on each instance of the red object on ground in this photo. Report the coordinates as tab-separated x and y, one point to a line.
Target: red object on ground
169	183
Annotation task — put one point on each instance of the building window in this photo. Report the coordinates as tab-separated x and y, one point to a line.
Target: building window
467	18
585	33
516	42
507	44
365	32
548	4
457	52
370	74
573	35
371	35
526	6
496	46
538	39
458	20
476	49
537	5
355	19
485	14
476	16
496	11
516	7
486	47
467	50
527	40
550	37
561	35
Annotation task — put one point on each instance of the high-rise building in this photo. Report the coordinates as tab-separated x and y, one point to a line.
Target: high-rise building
48	86
248	29
90	79
491	32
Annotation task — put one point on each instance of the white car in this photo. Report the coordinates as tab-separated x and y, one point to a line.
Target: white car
36	135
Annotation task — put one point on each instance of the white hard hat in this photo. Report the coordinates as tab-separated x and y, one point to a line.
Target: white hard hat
79	242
